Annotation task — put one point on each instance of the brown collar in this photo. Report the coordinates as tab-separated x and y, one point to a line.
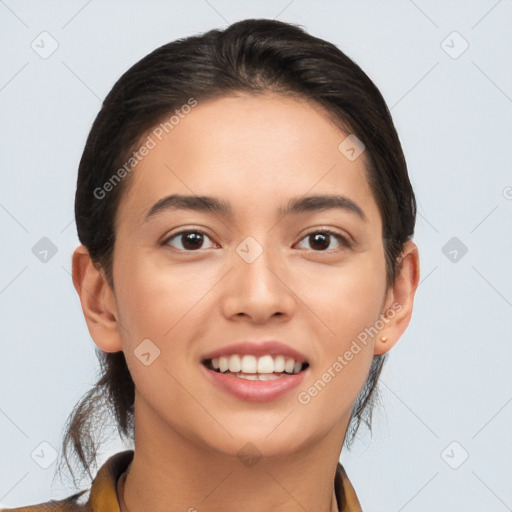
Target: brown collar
110	479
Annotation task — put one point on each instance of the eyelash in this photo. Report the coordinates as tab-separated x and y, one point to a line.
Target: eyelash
344	242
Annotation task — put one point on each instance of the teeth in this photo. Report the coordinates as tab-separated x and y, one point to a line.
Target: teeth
270	376
265	364
223	364
263	376
289	365
249	364
279	364
235	363
264	367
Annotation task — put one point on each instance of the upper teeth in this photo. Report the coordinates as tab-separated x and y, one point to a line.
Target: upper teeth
252	364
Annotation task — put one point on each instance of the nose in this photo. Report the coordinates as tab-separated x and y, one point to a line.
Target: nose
259	290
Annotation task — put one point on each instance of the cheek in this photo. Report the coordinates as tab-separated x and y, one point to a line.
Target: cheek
165	307
153	297
349	304
347	299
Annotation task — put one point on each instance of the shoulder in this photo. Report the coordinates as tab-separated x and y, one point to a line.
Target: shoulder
74	503
100	497
345	493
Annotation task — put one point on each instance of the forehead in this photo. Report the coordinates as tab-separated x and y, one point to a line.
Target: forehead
253	150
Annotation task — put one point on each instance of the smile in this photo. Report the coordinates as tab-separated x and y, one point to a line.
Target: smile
252	378
250	367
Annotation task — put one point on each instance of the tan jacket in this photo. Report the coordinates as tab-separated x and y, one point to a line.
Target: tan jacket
102	496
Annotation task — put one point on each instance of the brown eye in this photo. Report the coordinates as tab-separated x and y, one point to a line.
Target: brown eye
321	240
188	241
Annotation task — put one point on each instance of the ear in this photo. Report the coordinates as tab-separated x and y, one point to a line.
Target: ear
399	301
98	302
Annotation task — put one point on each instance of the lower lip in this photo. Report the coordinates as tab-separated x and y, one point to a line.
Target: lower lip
255	390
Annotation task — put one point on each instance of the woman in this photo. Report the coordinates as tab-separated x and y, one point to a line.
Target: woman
245	216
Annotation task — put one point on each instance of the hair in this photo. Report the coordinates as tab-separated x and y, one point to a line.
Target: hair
253	56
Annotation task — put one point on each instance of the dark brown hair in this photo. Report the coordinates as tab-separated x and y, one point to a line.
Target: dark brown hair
251	56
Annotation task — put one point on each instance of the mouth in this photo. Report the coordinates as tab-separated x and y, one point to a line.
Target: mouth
250	367
253	371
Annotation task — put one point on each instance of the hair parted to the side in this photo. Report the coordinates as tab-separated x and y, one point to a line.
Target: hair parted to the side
251	56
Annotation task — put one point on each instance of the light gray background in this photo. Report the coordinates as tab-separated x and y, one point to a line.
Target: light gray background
449	378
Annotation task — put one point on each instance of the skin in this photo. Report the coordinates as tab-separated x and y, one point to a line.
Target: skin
256	153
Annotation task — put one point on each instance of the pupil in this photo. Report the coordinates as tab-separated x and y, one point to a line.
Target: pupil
321	237
195	238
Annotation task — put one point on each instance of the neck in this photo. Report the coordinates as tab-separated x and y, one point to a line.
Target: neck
179	475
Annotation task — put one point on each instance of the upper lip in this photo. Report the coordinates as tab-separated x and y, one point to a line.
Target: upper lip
262	348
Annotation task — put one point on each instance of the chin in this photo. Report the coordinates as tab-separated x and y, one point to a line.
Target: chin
258	441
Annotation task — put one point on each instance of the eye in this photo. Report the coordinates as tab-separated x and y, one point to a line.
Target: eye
322	239
188	241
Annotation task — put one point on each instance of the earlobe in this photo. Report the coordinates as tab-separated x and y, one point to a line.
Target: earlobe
97	300
399	306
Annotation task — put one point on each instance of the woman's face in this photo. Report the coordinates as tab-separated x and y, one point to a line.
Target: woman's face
249	273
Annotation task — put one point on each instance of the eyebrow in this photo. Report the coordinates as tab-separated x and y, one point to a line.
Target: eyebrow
298	205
